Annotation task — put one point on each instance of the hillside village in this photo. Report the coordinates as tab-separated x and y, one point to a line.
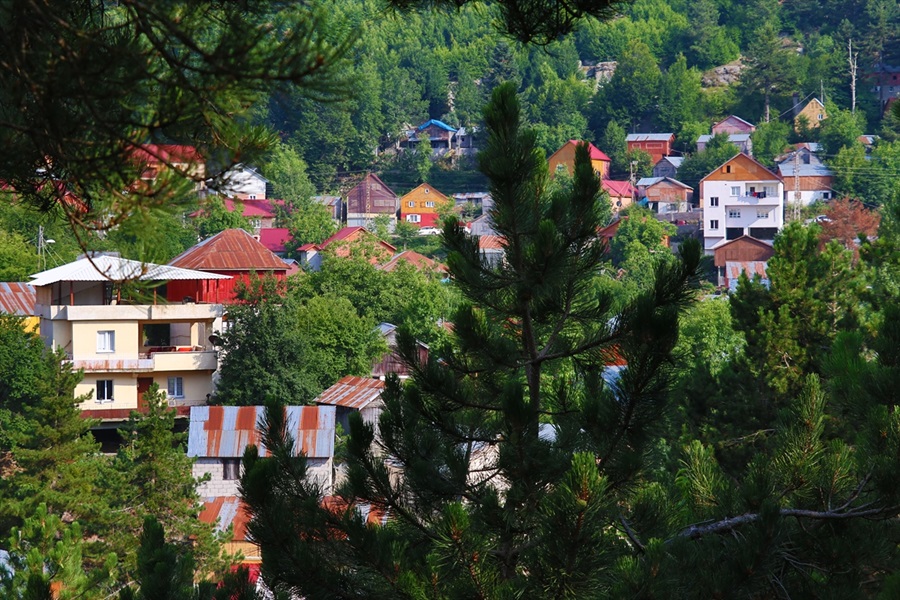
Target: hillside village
538	333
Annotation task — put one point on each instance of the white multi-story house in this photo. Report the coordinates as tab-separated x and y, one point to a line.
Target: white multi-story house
741	197
114	320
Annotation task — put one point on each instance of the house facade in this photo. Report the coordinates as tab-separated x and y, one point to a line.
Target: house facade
420	206
234	253
813	113
668	166
443	138
621	193
243	182
370	199
733	125
741	197
805	176
218	436
743	141
657	145
124	339
742	255
565	158
664	195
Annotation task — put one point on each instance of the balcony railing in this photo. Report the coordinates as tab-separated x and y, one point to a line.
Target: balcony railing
182	359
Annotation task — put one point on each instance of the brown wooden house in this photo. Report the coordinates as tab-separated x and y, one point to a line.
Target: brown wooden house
742	255
369	199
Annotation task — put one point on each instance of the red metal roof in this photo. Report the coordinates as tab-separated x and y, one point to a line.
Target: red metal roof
348	234
274	238
491	242
169	153
226	431
595	152
617	189
419	261
229	250
17	299
352	392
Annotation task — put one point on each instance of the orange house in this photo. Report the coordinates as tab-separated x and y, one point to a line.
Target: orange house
421	205
565	156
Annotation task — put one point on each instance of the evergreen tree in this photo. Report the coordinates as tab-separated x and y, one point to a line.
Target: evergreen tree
770	67
520	393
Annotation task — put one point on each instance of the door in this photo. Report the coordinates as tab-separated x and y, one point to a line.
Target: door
144	384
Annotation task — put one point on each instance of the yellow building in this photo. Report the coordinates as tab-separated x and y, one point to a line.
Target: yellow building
124	346
813	112
565	157
421	205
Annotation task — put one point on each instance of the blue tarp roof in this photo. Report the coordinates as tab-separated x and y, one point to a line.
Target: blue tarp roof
440	124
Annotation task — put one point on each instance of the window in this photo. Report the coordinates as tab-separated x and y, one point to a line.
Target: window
251	197
231	469
735	190
714	224
714	201
411	204
762	214
826	195
104	390
820	116
728	168
429	205
413	218
106	341
176	387
734	213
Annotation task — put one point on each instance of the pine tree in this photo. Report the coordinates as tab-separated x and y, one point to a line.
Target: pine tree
515	458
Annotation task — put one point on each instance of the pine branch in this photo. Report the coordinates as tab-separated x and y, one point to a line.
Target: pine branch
698	531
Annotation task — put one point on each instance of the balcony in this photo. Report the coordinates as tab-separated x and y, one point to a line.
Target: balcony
157	361
760	198
133	312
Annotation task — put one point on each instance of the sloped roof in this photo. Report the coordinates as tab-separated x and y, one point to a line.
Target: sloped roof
735	117
649	137
274	238
170	153
651	181
617	188
252	208
348	233
673	160
786	169
732	137
114	268
17	298
229	250
440	124
744	157
226	431
225	512
419	261
491	242
595	152
352	392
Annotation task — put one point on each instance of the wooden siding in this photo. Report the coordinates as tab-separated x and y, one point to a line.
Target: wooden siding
743	249
743	168
565	157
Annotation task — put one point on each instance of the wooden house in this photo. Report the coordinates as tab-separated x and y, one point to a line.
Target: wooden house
813	113
420	206
231	252
664	195
370	199
565	158
732	125
741	255
657	145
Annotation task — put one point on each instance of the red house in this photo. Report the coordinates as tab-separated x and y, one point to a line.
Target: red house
232	252
657	145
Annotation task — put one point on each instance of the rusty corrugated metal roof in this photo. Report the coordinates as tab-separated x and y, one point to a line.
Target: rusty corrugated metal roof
229	250
491	242
226	431
17	298
225	511
419	261
733	269
352	392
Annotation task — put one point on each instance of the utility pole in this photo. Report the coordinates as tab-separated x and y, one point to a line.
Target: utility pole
795	209
852	60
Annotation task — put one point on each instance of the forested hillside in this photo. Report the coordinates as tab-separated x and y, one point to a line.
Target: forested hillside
409	67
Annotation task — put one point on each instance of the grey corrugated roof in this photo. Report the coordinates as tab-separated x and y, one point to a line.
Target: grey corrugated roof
786	169
226	431
114	268
675	160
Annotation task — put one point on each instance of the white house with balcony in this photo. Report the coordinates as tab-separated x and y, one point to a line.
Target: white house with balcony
741	197
113	319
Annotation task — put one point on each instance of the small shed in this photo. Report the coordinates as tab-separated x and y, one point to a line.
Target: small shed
354	394
744	254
